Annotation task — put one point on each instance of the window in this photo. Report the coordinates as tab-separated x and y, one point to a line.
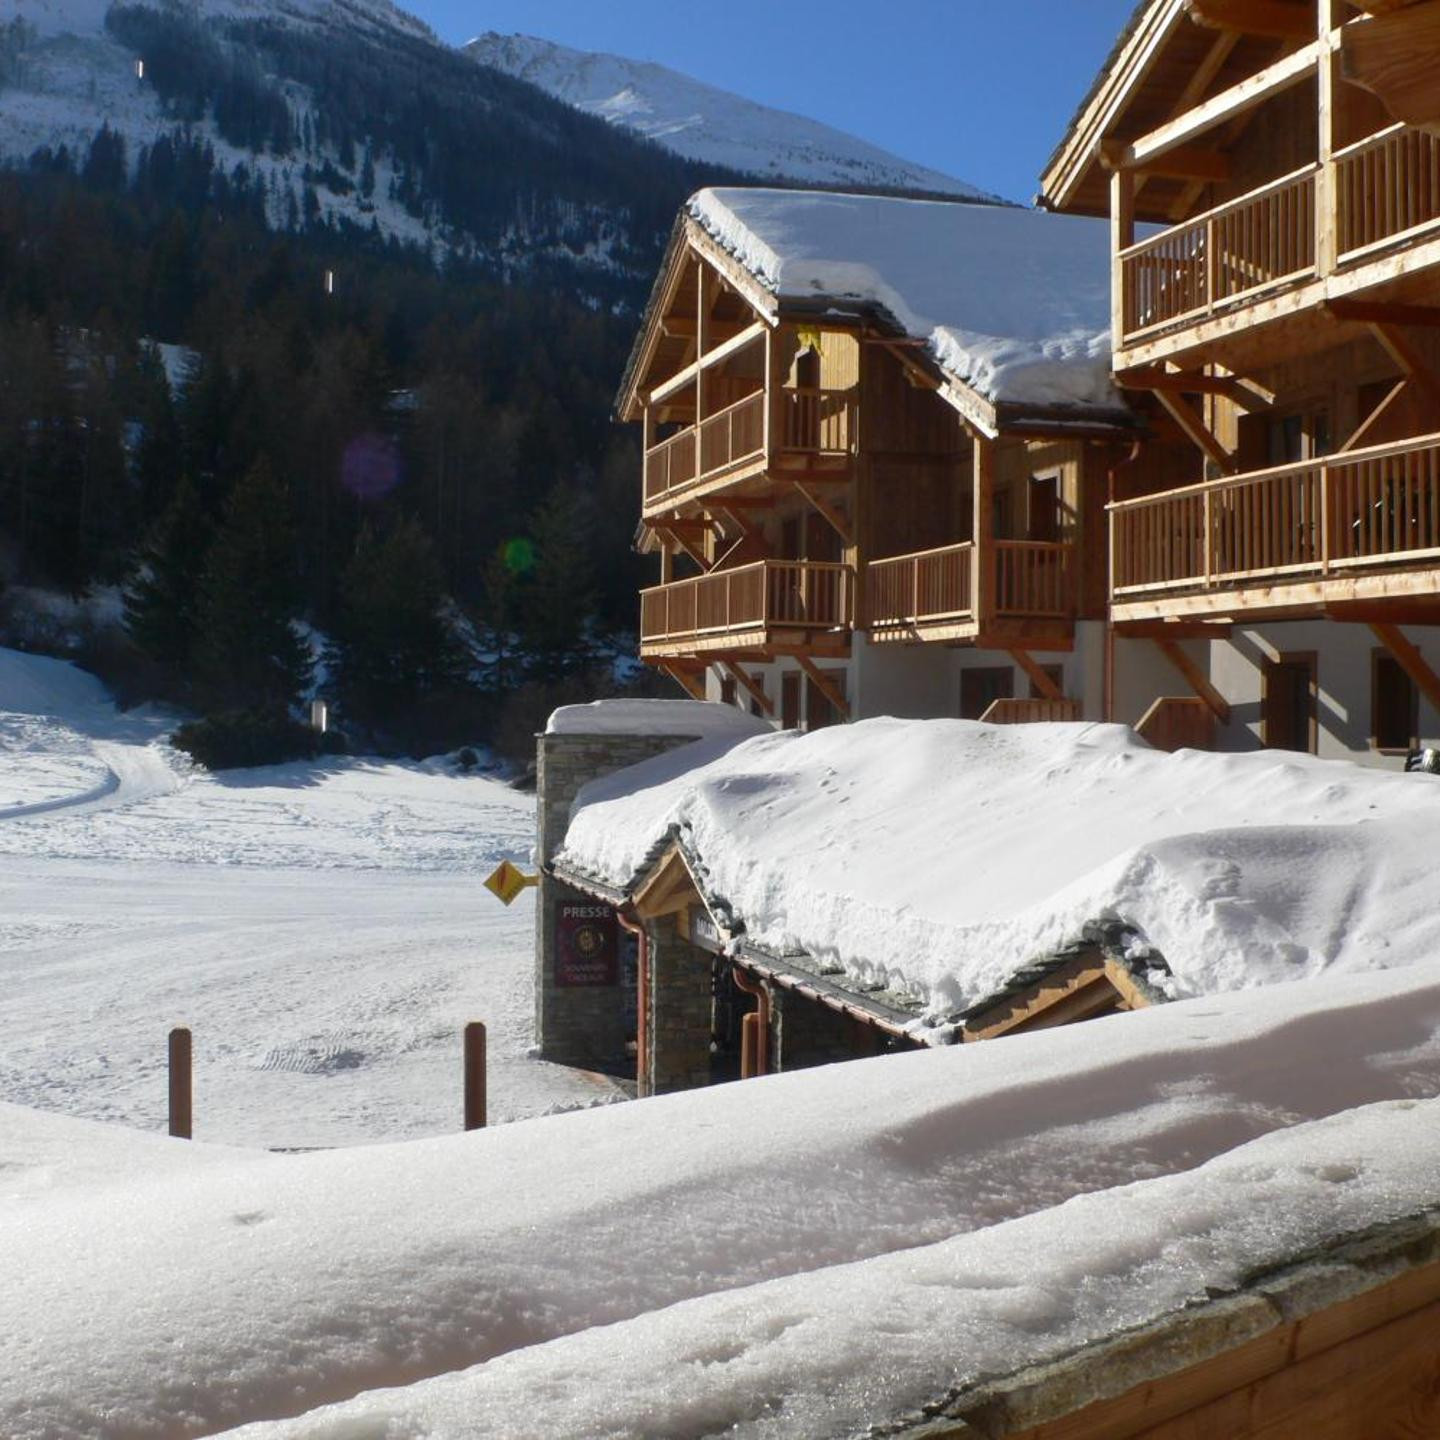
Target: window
727	690
1394	704
1045	508
980	687
1287	704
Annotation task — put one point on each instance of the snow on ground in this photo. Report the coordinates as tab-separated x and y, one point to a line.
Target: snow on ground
320	927
850	1239
1014	303
940	855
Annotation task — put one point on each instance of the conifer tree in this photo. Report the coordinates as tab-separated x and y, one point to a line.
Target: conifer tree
162	602
250	654
394	647
559	598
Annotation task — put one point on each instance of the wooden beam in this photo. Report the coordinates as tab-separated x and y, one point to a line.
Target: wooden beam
1038	676
1173	629
1411	362
1374	312
1196	678
698	556
681	378
1271	18
835	518
1395	57
1185	162
755	689
686	680
919	375
1239	98
680	327
1410	660
1194	427
1373	418
823	685
1244	393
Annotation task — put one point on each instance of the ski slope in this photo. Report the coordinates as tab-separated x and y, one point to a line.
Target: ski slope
320	927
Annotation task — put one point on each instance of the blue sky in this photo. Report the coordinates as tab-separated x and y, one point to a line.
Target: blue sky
980	90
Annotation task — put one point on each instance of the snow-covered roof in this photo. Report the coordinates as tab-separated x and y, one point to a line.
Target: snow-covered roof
697	719
937	857
822	1250
1012	303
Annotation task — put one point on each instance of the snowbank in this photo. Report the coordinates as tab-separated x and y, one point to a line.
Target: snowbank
1032	1167
38	685
1014	303
938	856
700	719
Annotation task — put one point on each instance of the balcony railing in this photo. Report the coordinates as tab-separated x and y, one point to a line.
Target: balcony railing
1234	252
769	594
1386	191
1389	187
819	421
1365	508
935	587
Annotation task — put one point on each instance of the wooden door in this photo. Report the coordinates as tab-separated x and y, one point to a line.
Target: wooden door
1287	705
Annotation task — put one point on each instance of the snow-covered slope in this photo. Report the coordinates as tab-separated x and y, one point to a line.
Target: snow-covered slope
704	123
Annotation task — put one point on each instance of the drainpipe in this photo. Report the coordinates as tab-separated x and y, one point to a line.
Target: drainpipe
631	924
754	1028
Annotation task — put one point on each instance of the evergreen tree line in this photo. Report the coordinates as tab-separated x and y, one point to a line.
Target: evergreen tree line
404	457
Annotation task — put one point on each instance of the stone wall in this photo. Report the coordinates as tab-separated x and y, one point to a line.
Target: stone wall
578	1025
681	1011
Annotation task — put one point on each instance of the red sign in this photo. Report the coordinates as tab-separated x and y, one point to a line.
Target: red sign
586	948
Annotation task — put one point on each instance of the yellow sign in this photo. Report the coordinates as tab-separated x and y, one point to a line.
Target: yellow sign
507	882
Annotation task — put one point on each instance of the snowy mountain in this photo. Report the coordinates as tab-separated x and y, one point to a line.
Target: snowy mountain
707	124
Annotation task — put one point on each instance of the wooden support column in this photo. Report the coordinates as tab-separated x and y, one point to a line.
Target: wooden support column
1196	678
823	685
774	399
1122	236
667	558
1327	190
1039	677
982	574
749	684
1410	660
705	301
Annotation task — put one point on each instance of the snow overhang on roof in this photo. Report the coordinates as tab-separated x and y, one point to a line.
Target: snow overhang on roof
1009	306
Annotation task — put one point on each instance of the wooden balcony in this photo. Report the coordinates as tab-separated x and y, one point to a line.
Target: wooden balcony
1199	280
731	445
1363	525
752	607
931	595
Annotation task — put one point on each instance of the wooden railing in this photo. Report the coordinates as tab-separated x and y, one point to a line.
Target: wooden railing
1376	506
1236	251
1020	711
1178	722
921	589
817	420
1033	577
766	594
670	465
732	435
1388	185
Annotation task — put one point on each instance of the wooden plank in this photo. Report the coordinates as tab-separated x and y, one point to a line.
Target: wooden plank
1239	98
1375	312
1185	162
1179	411
1410	660
1039	678
823	685
1174	629
750	684
1396	57
1373	418
1196	678
833	517
1270	18
715	356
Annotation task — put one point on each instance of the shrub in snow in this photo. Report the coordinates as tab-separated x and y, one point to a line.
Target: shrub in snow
240	738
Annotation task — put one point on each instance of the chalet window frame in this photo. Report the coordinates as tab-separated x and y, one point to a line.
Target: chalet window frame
1380	656
1310	660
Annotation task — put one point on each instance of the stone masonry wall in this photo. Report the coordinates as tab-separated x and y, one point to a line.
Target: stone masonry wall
681	1010
583	1025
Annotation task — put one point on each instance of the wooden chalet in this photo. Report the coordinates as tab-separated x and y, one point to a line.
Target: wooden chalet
1271	171
871	485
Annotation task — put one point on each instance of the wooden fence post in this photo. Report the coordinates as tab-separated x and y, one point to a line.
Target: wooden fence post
180	1087
475	1076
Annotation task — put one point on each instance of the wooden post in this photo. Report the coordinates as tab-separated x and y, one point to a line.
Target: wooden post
982	578
180	1083
475	1076
1327	207
1122	236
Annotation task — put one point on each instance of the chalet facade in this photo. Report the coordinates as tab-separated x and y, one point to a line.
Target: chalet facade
1274	201
878	437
